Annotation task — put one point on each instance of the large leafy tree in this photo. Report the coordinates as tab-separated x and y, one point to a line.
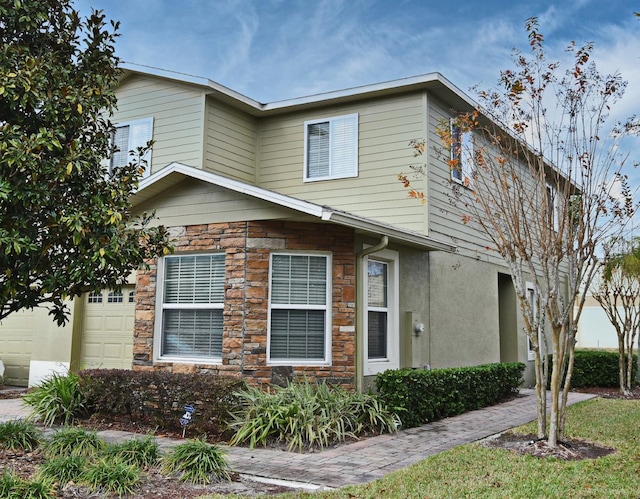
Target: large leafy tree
66	225
548	188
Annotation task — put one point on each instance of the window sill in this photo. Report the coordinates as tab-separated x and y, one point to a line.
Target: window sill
299	363
320	179
188	360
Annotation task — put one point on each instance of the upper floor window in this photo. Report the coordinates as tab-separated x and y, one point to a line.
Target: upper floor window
127	137
300	309
331	148
532	297
552	206
461	155
190	307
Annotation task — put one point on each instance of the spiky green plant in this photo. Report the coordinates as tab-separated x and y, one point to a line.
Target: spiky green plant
73	441
112	476
64	469
142	452
196	461
57	399
14	487
19	434
308	415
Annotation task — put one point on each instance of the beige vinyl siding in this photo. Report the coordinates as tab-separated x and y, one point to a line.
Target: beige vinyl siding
193	202
445	222
230	142
385	128
178	118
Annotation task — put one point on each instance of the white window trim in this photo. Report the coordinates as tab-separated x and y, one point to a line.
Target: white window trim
392	361
157	327
305	174
328	313
147	156
465	161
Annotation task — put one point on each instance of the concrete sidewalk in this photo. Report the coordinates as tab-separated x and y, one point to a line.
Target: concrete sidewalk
362	461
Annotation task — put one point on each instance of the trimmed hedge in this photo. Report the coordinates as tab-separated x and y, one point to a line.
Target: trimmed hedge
597	368
159	397
420	396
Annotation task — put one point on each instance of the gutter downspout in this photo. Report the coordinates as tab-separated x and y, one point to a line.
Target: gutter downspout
384	242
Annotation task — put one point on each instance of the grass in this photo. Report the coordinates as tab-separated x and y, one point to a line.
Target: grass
196	461
19	434
112	476
142	452
475	471
73	441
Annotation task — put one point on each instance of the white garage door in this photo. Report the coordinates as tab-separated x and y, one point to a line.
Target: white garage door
16	333
107	337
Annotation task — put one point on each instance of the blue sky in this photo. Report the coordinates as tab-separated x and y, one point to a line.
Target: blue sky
272	50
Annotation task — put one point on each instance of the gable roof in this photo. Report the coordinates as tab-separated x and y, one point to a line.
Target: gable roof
437	84
174	173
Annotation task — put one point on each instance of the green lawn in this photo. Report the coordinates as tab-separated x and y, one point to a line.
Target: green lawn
474	471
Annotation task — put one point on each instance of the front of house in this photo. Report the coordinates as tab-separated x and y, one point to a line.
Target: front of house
297	250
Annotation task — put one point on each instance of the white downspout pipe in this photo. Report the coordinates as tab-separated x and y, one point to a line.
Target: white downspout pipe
360	294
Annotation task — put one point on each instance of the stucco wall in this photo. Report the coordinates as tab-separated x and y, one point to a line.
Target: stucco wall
463	320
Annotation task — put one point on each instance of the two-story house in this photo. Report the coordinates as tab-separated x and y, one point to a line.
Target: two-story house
296	248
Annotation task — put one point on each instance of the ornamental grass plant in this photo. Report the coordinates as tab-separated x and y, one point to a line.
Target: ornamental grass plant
142	452
196	461
111	475
19	434
57	399
305	416
73	441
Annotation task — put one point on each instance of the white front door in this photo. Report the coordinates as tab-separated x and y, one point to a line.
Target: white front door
381	342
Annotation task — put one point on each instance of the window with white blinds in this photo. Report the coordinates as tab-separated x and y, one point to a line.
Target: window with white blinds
300	295
378	311
192	306
461	155
128	137
331	148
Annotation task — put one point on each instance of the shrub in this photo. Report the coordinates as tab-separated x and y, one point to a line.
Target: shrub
422	396
56	399
196	461
74	441
597	368
142	452
19	434
112	476
306	415
63	469
159	397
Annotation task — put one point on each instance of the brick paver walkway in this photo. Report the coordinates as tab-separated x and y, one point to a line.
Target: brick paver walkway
365	460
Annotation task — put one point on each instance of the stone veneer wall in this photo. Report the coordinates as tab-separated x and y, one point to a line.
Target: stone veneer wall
247	246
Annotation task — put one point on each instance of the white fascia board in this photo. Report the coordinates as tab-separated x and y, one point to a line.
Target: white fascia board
234	185
396	233
324	213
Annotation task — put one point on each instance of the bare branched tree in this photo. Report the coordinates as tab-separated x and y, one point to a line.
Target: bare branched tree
617	289
547	186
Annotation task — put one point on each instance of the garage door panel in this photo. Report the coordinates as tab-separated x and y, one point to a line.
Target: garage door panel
108	333
115	324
